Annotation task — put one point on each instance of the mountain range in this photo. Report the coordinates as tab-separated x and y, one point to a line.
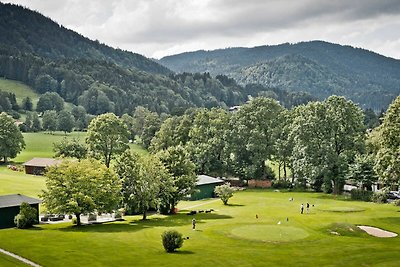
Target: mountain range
317	67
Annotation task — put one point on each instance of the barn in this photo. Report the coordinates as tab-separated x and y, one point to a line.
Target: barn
205	186
37	166
9	208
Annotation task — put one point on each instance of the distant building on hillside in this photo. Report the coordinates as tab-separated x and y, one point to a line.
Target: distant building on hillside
37	166
10	207
205	186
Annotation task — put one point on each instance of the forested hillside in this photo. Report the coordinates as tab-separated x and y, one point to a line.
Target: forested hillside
30	32
317	67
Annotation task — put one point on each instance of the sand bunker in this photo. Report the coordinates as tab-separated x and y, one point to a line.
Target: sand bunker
376	231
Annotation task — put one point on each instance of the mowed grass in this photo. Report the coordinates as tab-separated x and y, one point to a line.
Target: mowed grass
230	235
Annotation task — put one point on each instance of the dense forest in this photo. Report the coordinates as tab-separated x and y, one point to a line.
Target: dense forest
50	58
317	67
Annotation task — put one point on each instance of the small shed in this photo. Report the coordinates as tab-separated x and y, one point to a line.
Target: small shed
205	186
9	208
37	166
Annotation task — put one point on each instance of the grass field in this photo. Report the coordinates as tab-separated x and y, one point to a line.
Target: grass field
231	235
19	89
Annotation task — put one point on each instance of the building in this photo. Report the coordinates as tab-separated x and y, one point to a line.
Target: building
9	208
37	166
205	186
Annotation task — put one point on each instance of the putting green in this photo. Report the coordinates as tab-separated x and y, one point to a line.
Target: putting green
266	233
343	209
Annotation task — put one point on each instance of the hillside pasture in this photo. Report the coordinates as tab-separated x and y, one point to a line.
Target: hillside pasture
20	90
230	235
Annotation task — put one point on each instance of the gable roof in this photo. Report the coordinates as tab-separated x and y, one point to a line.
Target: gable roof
16	200
205	179
42	162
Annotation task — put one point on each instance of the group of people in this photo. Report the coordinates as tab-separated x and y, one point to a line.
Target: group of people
307	208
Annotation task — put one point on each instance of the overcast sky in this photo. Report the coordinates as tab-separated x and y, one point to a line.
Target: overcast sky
156	28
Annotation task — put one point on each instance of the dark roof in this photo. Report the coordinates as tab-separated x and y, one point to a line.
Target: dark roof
205	179
42	162
16	200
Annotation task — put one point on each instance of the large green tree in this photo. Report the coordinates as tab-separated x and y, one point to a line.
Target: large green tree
107	136
50	101
251	138
79	187
177	161
65	121
327	136
142	180
49	120
11	139
206	143
388	157
70	148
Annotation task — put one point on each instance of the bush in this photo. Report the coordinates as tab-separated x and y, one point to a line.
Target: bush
396	202
74	220
280	184
27	216
118	214
171	240
379	197
224	192
359	194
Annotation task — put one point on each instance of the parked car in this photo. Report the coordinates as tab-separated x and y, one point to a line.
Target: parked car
393	195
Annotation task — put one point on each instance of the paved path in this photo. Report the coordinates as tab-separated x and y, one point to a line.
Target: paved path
201	204
31	263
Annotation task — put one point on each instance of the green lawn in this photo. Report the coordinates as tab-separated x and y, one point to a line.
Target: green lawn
231	235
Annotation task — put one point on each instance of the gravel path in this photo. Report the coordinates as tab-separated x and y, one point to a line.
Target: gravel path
31	263
376	231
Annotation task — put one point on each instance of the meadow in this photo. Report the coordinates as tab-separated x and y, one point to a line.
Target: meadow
230	235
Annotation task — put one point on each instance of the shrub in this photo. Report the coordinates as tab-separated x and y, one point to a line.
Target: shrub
74	220
118	214
396	202
225	192
280	184
359	194
172	240
27	216
379	197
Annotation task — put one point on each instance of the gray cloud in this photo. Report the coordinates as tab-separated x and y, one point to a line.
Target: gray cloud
160	27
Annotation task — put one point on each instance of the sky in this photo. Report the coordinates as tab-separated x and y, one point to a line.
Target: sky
156	28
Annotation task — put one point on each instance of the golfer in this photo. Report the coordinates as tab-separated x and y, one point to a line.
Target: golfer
308	208
301	208
194	224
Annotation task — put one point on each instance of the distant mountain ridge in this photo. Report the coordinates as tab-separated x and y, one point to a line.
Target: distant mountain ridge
317	67
30	32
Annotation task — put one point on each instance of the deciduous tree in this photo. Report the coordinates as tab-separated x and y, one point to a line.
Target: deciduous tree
107	136
11	139
388	157
79	187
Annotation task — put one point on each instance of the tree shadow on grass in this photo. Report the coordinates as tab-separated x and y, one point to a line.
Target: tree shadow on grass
33	228
137	225
235	205
182	252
